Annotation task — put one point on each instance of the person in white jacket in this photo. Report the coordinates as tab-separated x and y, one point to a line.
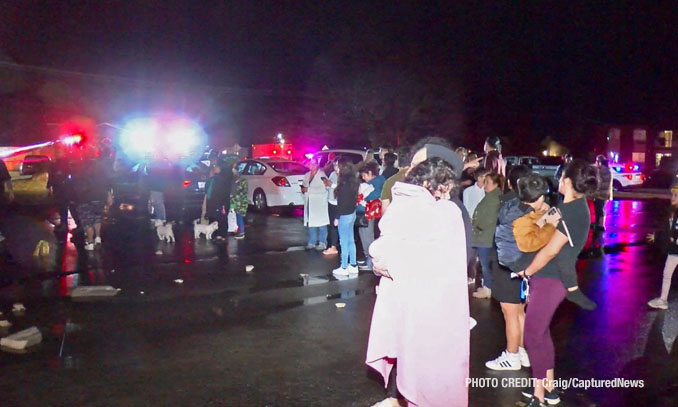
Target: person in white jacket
476	192
316	215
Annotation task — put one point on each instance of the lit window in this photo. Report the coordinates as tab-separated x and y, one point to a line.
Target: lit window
668	138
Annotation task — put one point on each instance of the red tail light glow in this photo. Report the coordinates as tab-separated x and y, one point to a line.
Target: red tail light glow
629	177
187	183
275	152
281	181
289	152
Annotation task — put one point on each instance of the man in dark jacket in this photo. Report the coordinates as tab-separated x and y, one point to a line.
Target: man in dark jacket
511	209
604	192
60	188
218	198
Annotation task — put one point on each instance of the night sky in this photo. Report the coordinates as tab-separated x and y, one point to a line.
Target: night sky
523	68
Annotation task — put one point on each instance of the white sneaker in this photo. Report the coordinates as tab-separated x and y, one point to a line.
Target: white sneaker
658	303
505	361
524	359
483	292
97	240
89	246
353	270
341	271
389	402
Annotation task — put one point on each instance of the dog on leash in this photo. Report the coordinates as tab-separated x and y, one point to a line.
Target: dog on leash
164	230
201	228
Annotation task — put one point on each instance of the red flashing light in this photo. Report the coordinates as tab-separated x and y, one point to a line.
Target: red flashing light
289	152
187	183
275	151
629	177
72	139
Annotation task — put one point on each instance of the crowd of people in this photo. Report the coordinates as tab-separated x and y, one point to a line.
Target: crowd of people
519	246
516	247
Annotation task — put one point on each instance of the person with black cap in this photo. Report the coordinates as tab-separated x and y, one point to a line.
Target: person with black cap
423	150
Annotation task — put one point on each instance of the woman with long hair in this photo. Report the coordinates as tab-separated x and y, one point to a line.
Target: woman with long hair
346	194
546	270
421	316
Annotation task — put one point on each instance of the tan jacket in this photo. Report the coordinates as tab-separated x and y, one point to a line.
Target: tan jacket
529	236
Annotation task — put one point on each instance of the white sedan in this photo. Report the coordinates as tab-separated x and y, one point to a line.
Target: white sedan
272	182
625	176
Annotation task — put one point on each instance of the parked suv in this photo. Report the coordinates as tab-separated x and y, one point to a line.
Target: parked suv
35	164
356	156
184	192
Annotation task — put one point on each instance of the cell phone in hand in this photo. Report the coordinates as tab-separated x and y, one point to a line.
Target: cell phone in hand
324	179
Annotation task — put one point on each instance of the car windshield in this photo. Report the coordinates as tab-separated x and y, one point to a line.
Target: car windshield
289	168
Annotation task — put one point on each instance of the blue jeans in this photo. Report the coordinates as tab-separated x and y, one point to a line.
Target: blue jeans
347	240
241	223
485	256
317	235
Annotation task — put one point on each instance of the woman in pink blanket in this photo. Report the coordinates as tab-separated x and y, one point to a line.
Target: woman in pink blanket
421	316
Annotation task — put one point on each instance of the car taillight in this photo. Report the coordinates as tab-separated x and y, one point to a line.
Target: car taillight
629	177
187	183
281	181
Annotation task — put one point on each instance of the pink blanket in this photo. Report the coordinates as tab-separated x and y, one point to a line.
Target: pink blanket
421	316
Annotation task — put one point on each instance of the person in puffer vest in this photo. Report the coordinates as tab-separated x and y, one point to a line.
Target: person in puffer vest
507	290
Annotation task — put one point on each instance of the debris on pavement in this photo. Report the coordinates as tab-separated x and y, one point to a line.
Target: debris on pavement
18	309
141	292
94	291
158	252
249	268
22	339
179	281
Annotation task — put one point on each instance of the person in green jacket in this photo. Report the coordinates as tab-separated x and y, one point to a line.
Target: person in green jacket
484	225
239	203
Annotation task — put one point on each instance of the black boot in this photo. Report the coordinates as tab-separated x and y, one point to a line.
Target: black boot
581	300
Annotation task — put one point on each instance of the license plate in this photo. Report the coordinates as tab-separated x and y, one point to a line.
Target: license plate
201	185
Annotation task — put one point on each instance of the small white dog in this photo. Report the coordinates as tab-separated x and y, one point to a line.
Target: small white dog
201	228
164	230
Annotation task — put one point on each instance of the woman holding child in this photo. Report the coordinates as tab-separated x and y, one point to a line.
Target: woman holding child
551	271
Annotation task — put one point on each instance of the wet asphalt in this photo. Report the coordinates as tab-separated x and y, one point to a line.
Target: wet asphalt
191	327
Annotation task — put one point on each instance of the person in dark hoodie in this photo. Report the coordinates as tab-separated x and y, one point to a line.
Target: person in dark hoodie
507	290
218	197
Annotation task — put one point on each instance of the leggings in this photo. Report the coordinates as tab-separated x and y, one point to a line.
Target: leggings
669	267
545	296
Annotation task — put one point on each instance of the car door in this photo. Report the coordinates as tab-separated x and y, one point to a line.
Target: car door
241	167
257	179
